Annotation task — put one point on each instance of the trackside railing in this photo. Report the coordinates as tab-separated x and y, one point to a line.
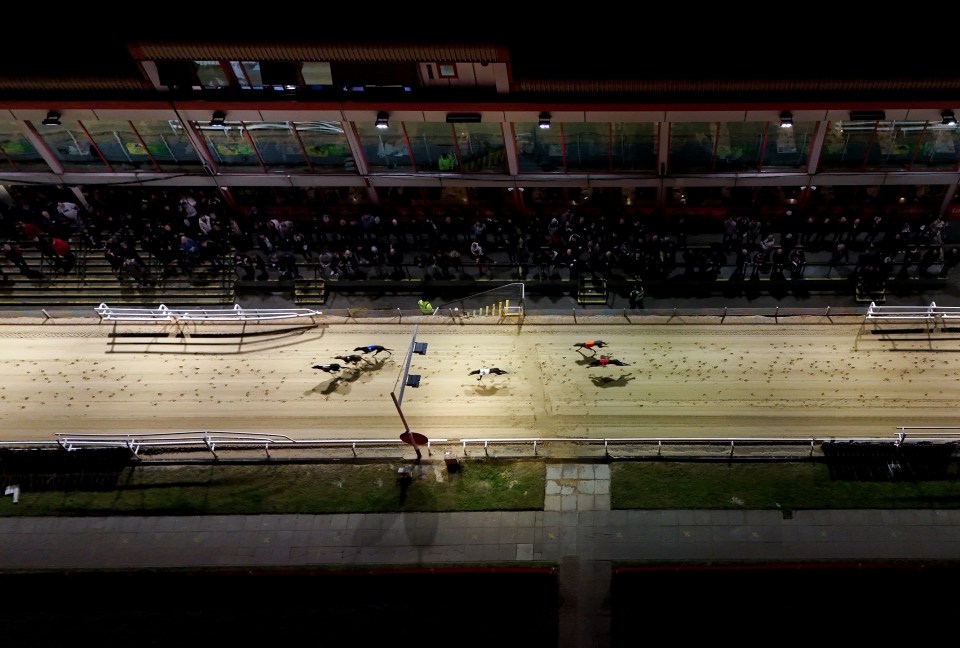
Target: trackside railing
212	441
566	447
164	314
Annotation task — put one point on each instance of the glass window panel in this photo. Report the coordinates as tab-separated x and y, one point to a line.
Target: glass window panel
939	148
634	147
211	74
788	148
316	73
228	145
119	145
587	146
277	146
248	74
890	145
326	146
481	147
384	148
739	145
168	144
16	150
71	146
433	146
846	145
692	147
896	144
539	150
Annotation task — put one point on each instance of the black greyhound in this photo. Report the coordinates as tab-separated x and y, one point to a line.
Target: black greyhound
593	345
374	348
603	361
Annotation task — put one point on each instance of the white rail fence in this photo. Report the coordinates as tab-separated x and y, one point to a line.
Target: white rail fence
164	314
929	314
219	443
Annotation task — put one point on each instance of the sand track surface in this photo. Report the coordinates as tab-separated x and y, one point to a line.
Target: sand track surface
688	380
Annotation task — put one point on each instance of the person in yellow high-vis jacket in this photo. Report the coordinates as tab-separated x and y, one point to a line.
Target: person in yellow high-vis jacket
425	307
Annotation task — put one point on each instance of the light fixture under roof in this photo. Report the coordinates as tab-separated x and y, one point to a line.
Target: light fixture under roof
544	120
948	118
52	119
219	117
383	120
786	119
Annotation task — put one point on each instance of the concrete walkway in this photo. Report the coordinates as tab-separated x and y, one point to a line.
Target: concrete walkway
576	530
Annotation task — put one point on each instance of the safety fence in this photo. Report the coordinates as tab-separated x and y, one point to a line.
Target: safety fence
928	315
502	312
164	314
249	446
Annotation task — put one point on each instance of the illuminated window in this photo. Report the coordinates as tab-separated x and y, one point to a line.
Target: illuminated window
316	74
447	70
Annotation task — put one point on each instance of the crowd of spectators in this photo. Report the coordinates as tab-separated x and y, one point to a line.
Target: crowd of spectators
150	236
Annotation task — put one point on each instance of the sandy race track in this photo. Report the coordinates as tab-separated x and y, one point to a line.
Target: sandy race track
688	380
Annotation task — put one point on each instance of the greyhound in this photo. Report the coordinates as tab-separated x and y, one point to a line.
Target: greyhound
483	372
375	348
593	345
603	361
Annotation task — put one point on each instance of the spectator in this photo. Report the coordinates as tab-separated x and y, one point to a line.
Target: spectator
69	211
189	254
476	252
14	255
65	259
950	260
636	296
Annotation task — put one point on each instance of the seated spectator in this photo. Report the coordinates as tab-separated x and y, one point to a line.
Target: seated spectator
189	254
135	272
243	265
69	211
14	255
798	262
65	259
286	264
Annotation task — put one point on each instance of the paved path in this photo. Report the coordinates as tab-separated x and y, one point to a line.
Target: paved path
576	530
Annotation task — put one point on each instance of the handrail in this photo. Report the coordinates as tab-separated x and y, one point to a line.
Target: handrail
235	314
212	439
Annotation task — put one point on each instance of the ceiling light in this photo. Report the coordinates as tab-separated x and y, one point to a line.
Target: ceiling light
218	118
52	119
948	118
383	120
786	119
544	120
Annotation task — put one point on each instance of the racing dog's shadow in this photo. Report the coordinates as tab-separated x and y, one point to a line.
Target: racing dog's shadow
340	383
481	389
607	381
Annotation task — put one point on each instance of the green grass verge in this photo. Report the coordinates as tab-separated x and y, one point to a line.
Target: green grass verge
284	488
480	485
786	486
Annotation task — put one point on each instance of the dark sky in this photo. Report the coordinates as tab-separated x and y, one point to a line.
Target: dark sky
681	43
